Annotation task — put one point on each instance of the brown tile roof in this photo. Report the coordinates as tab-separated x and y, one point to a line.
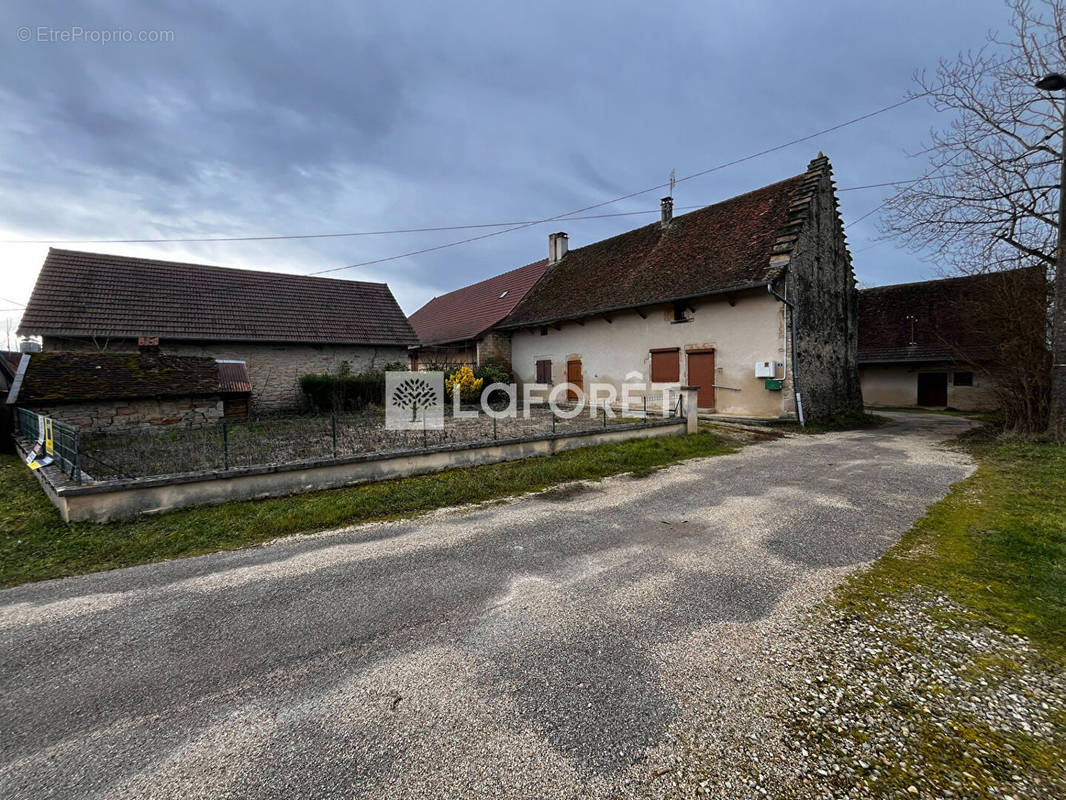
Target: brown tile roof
92	294
233	377
728	245
468	312
72	377
947	318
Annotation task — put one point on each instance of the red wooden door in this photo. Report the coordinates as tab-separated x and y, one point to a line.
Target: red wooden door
573	375
701	374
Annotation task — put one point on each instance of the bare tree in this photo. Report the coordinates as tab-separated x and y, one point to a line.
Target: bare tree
989	200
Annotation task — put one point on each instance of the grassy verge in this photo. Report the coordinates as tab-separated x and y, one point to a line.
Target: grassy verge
36	544
996	545
961	634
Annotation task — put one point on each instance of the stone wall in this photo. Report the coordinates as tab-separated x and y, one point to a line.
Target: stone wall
821	285
112	416
495	348
275	369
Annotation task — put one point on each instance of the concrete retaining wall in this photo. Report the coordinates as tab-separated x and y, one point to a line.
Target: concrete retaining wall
120	499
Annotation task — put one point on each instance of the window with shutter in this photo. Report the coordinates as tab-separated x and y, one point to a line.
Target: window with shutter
544	371
666	365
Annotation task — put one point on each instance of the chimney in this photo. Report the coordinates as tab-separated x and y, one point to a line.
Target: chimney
557	247
667	204
147	344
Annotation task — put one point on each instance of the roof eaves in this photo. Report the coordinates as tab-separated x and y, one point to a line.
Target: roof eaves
629	307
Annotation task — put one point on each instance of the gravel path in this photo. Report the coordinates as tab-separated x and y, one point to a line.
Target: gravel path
590	641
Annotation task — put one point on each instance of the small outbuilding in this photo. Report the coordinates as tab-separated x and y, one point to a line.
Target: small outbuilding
110	392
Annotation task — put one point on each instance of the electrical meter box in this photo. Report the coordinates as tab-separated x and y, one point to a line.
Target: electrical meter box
765	369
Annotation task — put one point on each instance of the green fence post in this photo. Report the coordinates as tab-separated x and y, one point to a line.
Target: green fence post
77	458
225	445
645	409
494	434
605	413
425	433
333	427
553	420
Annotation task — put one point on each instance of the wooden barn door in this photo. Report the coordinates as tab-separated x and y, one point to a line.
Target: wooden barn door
573	375
701	373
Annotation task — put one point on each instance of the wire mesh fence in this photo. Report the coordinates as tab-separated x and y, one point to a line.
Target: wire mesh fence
311	438
49	437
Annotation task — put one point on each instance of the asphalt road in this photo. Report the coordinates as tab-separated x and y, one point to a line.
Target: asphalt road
575	643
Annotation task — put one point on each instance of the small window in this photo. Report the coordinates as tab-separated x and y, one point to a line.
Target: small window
504	294
679	312
544	371
964	379
666	365
544	330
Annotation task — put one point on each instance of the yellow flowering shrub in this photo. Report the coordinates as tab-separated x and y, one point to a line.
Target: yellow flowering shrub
464	382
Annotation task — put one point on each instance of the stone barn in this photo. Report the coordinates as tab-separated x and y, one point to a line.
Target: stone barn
281	326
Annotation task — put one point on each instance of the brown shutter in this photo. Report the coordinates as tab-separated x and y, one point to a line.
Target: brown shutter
666	365
544	371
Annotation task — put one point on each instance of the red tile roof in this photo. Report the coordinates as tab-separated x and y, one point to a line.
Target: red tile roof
92	294
72	377
468	312
724	246
233	377
948	317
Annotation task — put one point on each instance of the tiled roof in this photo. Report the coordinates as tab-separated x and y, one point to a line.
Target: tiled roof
69	377
947	318
468	312
728	245
233	377
92	294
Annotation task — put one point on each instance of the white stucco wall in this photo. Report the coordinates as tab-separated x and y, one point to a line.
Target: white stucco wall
897	385
741	334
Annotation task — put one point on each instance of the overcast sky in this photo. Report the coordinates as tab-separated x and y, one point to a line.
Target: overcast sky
260	119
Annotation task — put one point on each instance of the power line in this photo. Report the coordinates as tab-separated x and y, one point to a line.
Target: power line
509	226
389	231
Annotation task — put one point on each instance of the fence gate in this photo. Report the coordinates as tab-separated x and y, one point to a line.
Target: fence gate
50	437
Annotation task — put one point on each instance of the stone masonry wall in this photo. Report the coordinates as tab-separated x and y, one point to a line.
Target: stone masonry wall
111	416
821	284
495	348
274	369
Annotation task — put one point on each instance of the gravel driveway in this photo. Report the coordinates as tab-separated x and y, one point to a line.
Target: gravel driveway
574	643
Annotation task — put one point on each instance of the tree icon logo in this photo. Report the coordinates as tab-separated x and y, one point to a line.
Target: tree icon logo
414	394
414	400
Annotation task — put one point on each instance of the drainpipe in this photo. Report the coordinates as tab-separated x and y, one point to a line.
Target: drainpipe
792	336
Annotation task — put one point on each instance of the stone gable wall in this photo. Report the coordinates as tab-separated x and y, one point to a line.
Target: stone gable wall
821	284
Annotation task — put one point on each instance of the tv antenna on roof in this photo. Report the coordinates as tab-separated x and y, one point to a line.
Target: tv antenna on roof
673	181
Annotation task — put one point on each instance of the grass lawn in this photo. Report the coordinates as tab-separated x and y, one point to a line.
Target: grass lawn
995	549
36	544
996	544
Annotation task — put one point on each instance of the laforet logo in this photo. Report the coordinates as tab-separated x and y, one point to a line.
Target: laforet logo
415	400
414	394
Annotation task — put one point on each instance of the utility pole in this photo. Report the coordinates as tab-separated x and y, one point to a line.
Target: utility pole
1054	82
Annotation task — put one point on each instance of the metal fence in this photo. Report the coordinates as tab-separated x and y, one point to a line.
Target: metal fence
52	438
289	440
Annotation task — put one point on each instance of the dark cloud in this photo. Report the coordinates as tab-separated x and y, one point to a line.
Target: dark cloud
260	119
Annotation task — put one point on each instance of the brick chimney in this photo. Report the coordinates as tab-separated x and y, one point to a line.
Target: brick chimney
557	247
148	345
667	204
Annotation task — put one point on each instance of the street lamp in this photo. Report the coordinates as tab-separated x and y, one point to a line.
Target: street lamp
1054	82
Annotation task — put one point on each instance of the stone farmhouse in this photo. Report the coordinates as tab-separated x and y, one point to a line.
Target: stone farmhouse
456	329
931	343
280	326
752	299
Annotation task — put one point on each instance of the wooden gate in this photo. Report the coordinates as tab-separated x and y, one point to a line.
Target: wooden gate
701	373
574	376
